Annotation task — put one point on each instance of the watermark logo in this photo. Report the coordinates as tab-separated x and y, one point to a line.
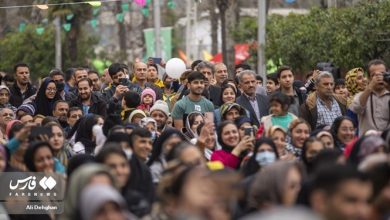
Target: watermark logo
48	183
28	182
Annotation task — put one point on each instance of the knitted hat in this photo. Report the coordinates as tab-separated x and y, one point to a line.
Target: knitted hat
148	91
28	108
136	112
5	87
162	106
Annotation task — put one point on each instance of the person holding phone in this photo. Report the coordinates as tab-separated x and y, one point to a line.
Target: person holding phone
233	149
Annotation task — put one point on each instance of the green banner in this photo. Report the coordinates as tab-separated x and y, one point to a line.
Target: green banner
166	42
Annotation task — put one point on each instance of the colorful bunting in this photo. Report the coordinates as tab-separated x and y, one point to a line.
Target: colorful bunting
120	17
67	27
69	17
22	26
95	11
145	11
125	7
94	23
171	4
141	3
40	30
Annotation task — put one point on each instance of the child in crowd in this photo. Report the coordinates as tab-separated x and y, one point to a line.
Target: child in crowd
340	89
279	104
148	98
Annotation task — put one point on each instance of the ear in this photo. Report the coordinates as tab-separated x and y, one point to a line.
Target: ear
317	201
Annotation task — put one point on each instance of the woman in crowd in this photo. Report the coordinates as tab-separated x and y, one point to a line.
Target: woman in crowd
57	142
231	111
343	131
264	153
39	157
356	151
207	139
161	147
86	175
355	82
326	138
85	140
276	185
46	96
311	148
228	95
234	149
194	119
242	124
299	131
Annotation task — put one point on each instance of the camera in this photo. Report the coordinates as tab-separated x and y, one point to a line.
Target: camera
386	77
123	81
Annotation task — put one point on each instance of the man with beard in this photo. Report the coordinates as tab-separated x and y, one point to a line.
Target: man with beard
194	101
59	78
60	111
212	92
88	100
160	113
22	88
6	115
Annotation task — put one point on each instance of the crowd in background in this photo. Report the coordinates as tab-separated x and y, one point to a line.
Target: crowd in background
135	143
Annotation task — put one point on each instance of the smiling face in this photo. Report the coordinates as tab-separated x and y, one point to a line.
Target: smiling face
142	147
4	96
120	167
232	114
230	135
299	134
43	160
85	90
279	138
196	87
228	95
361	81
346	131
160	118
51	90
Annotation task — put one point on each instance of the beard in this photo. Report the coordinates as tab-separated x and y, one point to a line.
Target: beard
85	97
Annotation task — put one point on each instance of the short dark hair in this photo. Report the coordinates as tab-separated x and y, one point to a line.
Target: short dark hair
195	63
244	66
139	132
155	66
20	65
84	79
73	109
374	63
273	78
56	72
258	77
108	149
93	72
69	74
195	75
9	78
283	99
330	178
115	68
59	101
281	69
132	99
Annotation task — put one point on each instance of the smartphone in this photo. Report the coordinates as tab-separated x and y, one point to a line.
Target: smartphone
248	132
36	132
123	81
156	60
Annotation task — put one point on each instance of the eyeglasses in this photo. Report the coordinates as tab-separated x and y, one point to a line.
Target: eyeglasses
51	90
8	114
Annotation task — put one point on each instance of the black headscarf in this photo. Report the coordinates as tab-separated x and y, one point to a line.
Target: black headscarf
43	105
84	132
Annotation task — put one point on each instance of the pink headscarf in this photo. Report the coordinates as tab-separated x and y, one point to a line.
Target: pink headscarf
9	126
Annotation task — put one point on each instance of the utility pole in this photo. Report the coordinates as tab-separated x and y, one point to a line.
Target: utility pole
262	16
58	49
157	27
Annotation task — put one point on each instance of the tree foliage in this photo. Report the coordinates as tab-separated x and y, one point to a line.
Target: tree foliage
348	37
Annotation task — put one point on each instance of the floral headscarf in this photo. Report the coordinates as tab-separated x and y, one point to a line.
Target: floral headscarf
350	83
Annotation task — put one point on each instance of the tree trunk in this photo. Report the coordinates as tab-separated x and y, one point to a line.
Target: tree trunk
222	6
121	34
231	16
214	27
72	38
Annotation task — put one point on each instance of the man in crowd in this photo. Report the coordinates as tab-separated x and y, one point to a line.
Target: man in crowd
212	92
160	113
286	79
221	73
272	84
87	100
60	111
59	78
194	101
373	104
340	192
73	115
22	88
256	104
140	78
323	107
94	77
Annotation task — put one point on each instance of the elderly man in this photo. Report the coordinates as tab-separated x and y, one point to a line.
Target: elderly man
256	104
140	78
323	106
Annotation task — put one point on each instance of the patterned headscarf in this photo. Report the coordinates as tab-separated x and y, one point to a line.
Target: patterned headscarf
350	83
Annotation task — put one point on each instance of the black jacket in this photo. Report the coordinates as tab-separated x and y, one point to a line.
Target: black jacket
98	105
16	98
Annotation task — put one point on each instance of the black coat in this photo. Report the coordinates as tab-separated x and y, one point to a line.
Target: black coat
262	102
98	105
16	98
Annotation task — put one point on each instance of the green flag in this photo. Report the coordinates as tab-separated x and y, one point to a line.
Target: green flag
166	42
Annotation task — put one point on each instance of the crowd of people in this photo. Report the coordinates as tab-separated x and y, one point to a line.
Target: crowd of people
135	143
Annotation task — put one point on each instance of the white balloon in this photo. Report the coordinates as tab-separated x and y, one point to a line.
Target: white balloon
175	67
